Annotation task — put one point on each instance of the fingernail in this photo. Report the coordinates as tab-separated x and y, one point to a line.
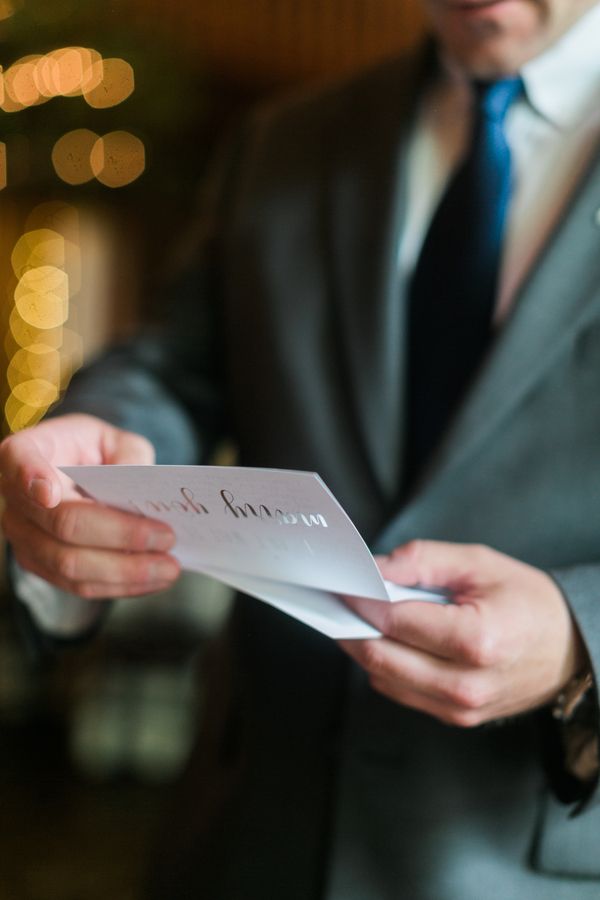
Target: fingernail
163	570
40	491
160	539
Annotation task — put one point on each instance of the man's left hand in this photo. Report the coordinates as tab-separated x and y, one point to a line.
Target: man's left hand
506	643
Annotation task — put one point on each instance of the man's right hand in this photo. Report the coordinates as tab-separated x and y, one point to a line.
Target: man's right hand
73	542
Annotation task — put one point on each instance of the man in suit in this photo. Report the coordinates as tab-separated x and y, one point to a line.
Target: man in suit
427	763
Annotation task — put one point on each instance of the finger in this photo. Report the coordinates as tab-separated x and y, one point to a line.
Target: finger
448	631
407	666
30	458
100	590
85	523
126	448
397	671
444	712
438	564
69	568
25	466
56	561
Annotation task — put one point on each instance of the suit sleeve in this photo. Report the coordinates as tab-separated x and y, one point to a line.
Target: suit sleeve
566	842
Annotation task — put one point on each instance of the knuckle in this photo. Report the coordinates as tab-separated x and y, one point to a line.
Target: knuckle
85	590
372	657
66	523
480	553
464	718
413	549
144	446
135	447
377	684
65	564
479	648
136	568
467	695
136	534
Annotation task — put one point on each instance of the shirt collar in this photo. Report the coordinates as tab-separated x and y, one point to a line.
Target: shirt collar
561	82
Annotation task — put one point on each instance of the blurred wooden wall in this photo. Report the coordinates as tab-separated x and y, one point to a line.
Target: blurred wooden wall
278	42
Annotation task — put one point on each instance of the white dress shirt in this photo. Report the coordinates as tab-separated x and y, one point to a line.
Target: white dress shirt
552	132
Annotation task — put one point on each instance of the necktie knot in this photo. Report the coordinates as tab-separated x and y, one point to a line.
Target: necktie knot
494	98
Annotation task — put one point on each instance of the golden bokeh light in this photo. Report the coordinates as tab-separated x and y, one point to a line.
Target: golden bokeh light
41	247
71	64
37	393
65	72
42	310
19	81
44	280
56	215
117	83
24	334
36	362
46	76
71	156
8	104
93	71
20	415
42	297
42	353
71	354
7	9
118	158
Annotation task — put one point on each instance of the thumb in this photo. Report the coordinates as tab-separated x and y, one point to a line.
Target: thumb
24	466
437	564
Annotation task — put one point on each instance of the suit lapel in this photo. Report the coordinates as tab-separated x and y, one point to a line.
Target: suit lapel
561	295
365	217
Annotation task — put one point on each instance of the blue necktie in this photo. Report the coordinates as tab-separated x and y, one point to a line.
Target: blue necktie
453	291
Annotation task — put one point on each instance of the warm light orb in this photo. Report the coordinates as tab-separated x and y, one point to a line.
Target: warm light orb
71	62
42	354
56	215
93	71
8	104
42	297
24	334
19	415
44	280
35	362
117	84
46	76
71	355
19	81
7	9
37	393
41	247
71	156
118	158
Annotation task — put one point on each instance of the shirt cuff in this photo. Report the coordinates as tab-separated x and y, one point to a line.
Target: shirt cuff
54	611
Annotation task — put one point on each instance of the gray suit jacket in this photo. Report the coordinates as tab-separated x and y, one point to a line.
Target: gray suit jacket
288	336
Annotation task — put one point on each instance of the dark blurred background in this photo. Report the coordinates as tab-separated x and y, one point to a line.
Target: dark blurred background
109	113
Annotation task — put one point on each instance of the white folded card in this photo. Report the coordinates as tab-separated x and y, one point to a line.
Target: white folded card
276	534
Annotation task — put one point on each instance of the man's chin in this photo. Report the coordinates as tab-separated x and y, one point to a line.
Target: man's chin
489	59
